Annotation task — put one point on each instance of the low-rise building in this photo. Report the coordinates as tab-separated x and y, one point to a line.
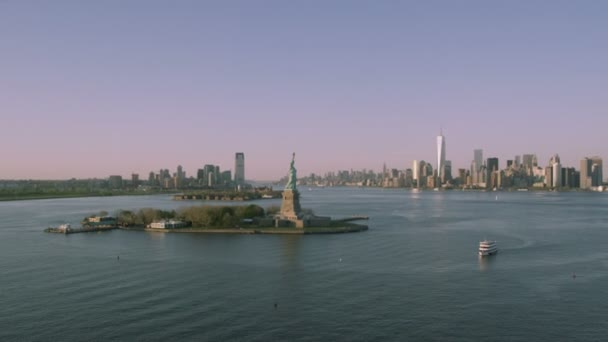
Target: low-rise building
99	221
168	224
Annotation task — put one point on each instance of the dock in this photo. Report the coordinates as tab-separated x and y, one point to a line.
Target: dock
353	218
79	230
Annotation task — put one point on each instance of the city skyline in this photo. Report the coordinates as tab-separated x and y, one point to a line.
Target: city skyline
368	83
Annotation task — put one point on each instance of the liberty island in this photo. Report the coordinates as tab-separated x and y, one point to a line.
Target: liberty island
252	219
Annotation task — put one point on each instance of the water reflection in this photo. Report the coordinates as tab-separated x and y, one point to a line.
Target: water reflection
290	250
156	235
485	262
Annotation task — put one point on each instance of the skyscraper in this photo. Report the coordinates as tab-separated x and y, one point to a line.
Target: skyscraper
415	169
447	171
492	168
478	158
529	162
440	155
239	168
476	166
597	177
591	172
135	179
556	177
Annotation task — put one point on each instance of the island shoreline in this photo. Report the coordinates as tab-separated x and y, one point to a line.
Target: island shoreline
351	228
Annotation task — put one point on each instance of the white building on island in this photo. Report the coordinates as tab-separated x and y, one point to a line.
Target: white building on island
167	224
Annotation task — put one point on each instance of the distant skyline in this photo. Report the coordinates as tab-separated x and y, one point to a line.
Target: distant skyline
91	89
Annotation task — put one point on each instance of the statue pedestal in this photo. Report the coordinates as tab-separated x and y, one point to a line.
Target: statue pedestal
290	207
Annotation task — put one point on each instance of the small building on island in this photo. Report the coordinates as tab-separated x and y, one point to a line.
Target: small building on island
168	224
99	221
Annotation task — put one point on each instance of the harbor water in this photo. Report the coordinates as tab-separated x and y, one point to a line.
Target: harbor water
414	275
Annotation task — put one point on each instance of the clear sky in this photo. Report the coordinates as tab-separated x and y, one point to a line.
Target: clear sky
93	88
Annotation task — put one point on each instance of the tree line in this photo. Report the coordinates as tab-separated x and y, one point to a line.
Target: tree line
198	216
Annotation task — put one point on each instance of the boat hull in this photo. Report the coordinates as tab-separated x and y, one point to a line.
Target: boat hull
487	253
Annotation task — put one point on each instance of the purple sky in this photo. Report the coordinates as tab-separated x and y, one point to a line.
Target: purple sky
93	88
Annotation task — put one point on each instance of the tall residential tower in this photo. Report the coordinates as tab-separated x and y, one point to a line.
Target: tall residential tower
440	155
239	168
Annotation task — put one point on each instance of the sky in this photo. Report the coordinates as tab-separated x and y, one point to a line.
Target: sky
95	88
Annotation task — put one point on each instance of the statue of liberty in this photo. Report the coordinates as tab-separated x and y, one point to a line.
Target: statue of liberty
291	182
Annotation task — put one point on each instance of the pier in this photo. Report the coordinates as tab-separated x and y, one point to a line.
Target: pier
353	218
61	230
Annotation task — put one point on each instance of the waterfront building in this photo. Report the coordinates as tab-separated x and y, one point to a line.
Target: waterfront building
427	173
517	162
576	179
152	179
239	168
529	163
115	182
462	176
134	180
596	172
473	172
586	165
168	224
415	170
430	182
538	175
409	177
556	168
569	176
591	174
478	158
226	177
446	172
440	155
502	181
549	176
208	169
476	166
491	167
421	174
167	183
177	181
211	178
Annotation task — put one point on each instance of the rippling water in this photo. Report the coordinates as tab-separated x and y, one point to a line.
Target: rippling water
414	275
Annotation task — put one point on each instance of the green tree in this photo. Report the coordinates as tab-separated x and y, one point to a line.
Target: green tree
127	218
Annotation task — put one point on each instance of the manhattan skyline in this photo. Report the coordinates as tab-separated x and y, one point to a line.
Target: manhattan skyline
107	88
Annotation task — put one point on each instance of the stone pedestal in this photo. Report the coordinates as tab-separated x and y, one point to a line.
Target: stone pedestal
290	207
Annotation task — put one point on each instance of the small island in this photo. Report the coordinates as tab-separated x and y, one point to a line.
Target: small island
290	218
250	219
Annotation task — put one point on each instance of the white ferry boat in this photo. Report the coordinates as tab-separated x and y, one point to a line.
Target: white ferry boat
487	247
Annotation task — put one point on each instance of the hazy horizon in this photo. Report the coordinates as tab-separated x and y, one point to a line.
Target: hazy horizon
92	89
